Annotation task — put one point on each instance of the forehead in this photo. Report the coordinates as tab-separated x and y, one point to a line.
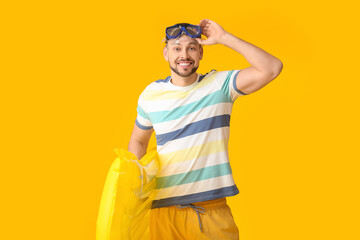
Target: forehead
183	40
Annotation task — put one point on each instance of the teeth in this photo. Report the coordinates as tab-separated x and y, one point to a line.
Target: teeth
184	64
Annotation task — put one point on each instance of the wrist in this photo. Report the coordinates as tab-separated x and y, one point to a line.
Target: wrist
225	38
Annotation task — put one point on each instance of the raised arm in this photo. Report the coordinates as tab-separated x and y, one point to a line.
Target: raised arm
264	67
139	141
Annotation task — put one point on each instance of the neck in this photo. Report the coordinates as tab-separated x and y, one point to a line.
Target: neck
183	81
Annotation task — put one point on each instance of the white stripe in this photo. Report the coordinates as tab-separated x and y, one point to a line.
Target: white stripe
194	140
157	85
195	187
142	102
160	85
191	165
143	121
206	112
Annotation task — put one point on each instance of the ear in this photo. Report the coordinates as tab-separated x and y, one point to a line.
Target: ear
165	52
201	52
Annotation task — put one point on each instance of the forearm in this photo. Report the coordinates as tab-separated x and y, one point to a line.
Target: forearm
137	148
258	58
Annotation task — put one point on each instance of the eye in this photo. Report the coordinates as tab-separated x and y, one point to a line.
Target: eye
192	48
177	49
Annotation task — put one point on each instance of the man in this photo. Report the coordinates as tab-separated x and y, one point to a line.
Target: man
190	114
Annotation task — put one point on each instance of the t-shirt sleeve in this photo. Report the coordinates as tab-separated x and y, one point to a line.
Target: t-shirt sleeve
142	119
227	80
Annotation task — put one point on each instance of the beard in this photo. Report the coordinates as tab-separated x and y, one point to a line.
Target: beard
185	74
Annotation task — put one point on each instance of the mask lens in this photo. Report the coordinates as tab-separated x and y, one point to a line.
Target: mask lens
173	31
193	30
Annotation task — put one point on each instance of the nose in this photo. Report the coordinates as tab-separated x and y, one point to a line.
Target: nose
184	53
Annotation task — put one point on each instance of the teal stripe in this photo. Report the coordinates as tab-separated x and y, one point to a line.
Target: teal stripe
194	176
225	87
211	99
142	112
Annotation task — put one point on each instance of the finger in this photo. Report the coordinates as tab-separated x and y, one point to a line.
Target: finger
206	27
203	22
205	34
205	42
198	40
205	31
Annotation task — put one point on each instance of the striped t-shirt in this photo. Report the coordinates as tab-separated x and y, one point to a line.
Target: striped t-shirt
191	124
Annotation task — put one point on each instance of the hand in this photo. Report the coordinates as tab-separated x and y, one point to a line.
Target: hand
213	31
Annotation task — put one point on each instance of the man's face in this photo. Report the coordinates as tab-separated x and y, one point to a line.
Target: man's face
183	55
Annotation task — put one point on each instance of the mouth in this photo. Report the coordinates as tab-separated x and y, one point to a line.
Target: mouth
184	64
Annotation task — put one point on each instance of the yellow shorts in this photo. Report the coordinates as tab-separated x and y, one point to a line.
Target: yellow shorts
201	220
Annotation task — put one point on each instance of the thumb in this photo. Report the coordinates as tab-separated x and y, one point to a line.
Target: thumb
199	40
203	41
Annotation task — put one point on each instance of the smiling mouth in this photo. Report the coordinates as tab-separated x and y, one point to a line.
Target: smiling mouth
184	64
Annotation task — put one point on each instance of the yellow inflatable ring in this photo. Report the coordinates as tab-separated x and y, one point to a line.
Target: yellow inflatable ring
124	211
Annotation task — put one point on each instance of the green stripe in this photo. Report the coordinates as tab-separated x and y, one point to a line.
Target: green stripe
211	99
225	87
142	112
194	176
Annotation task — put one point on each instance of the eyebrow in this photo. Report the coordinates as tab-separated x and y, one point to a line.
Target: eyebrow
176	43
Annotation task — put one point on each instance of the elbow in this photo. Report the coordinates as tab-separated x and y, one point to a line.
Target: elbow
276	69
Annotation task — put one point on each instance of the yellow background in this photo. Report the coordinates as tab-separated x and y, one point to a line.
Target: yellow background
71	73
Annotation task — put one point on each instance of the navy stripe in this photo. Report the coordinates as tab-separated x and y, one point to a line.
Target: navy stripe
234	84
196	197
194	128
201	77
142	126
163	80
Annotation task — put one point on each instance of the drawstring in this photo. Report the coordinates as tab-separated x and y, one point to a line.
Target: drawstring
196	208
